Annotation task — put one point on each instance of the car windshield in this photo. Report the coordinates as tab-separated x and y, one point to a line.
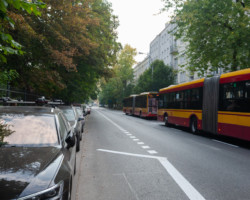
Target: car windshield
27	130
69	113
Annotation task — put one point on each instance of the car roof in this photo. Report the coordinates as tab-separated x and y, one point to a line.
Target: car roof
29	110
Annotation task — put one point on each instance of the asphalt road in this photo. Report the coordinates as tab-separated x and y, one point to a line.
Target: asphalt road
128	158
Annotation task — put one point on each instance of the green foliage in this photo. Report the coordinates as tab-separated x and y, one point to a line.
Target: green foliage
217	33
162	75
7	44
69	47
6	76
4	132
120	85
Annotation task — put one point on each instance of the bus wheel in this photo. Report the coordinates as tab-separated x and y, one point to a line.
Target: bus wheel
193	125
140	115
166	120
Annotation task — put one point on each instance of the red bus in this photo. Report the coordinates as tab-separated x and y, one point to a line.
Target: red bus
143	105
218	105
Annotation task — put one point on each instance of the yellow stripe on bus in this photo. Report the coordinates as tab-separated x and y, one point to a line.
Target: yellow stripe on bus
236	73
141	109
183	84
241	119
181	113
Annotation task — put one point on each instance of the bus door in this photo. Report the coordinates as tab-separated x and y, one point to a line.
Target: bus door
152	104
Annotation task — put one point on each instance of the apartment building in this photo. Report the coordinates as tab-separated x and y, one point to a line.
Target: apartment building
165	47
141	67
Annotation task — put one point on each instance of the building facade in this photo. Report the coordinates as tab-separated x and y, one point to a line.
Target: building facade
140	68
167	48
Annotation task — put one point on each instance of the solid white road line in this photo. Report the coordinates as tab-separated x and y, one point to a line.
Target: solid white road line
183	183
128	154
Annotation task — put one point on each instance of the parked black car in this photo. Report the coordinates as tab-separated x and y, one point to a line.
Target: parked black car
37	153
75	122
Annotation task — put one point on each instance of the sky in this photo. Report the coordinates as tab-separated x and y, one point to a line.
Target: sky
139	22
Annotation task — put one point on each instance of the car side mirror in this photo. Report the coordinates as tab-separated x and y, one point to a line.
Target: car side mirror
70	140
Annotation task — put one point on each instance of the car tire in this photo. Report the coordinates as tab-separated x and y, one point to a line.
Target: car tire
77	144
75	167
70	190
81	134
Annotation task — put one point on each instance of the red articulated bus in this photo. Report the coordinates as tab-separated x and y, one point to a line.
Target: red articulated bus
218	105
143	105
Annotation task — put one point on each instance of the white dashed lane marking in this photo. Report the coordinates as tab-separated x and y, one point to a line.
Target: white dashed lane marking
152	151
140	143
130	135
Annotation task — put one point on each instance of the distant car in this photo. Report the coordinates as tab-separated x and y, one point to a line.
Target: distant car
37	153
81	116
84	109
75	122
5	99
88	109
41	101
57	100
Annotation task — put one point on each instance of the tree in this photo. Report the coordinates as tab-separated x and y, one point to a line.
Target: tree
68	48
120	85
5	131
162	75
7	44
217	33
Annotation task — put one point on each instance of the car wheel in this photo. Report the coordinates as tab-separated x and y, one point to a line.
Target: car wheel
193	125
70	189
81	134
78	144
75	166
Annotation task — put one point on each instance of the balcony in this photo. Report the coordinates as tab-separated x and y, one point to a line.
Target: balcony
173	49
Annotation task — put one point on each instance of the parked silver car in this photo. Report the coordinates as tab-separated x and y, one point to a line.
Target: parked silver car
75	121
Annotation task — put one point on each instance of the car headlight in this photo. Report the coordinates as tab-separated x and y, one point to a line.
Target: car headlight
53	193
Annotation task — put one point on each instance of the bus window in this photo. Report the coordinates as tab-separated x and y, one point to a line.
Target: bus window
247	92
235	97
